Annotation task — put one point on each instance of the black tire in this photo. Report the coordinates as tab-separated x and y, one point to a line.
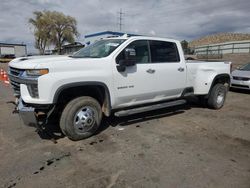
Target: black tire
217	96
81	118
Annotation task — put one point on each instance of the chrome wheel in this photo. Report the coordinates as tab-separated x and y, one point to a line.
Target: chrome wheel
220	97
84	119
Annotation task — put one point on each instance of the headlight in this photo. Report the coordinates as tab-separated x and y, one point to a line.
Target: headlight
37	72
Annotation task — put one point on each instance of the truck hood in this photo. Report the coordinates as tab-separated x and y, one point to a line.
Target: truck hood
241	73
34	62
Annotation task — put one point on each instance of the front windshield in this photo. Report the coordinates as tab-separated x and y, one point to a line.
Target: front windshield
101	48
245	67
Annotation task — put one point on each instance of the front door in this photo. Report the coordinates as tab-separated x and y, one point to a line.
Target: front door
134	85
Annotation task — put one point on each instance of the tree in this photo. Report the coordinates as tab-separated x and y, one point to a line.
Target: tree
186	48
42	31
184	45
64	29
53	28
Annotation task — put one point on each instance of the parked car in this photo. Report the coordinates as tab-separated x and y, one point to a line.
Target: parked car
240	78
123	76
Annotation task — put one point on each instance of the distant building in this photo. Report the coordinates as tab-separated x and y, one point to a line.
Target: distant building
91	38
67	48
71	48
12	50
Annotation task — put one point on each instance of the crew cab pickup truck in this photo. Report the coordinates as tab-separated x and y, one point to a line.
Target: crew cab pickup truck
121	76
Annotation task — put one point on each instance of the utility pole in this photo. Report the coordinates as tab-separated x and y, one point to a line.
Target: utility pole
120	13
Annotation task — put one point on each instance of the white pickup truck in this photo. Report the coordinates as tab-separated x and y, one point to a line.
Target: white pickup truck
121	75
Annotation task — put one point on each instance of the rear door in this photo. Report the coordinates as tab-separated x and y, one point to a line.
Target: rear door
169	70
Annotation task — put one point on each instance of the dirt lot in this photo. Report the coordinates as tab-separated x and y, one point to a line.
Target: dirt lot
188	146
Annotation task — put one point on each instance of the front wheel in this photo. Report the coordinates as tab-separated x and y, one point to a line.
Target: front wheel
81	118
217	96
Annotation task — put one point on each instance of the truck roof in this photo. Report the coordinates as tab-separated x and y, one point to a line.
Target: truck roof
142	38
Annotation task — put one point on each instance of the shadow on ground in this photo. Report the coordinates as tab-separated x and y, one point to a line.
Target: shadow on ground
53	132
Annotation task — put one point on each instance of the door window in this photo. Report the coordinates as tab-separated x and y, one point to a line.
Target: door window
141	49
162	52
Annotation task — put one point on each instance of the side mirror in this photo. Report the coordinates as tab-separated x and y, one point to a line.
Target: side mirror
121	67
130	56
130	59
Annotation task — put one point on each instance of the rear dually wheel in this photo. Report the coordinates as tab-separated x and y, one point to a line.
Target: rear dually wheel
217	96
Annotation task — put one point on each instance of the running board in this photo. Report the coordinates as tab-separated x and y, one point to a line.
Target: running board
149	108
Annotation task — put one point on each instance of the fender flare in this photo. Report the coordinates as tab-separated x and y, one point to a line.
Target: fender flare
216	78
107	97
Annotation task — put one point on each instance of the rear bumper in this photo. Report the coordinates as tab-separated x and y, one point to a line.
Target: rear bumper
27	114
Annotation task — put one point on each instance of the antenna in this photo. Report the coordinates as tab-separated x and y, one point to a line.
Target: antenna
120	13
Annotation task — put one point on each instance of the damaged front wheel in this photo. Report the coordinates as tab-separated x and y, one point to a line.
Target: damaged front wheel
81	118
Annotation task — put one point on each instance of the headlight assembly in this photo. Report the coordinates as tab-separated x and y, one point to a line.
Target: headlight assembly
37	72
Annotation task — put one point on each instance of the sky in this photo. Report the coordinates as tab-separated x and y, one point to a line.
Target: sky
179	19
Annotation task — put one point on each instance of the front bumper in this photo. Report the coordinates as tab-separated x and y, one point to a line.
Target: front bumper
240	84
27	114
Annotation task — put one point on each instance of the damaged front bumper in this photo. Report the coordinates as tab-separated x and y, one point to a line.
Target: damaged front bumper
34	116
27	114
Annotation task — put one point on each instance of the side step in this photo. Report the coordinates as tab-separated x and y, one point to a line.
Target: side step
149	108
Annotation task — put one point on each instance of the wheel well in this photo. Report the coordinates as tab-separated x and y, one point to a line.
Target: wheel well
98	92
222	79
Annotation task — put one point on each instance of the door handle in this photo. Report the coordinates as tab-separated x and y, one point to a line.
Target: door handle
150	71
180	69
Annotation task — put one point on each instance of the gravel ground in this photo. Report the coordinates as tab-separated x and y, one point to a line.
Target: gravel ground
187	146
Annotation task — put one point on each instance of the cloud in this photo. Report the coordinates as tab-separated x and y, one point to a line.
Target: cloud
182	19
152	32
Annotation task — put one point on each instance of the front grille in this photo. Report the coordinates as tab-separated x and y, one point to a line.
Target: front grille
237	85
16	87
15	72
241	78
17	77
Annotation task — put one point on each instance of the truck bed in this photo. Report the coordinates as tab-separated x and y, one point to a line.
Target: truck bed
200	74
